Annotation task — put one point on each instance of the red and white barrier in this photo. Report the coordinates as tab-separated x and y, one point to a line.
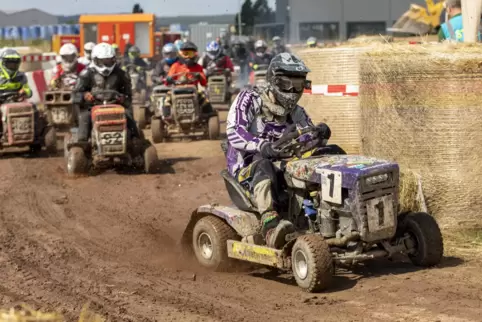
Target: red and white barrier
334	90
38	57
38	81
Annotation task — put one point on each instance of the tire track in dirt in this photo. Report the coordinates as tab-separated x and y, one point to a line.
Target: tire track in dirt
112	239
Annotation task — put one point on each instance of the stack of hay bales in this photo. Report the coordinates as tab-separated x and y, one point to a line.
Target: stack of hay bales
422	106
335	66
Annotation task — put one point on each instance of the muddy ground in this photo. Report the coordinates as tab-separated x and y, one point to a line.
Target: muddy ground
112	239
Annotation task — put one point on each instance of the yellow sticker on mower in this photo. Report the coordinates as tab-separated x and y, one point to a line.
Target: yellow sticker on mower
253	253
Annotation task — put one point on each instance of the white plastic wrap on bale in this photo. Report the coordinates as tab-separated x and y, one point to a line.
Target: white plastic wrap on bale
471	10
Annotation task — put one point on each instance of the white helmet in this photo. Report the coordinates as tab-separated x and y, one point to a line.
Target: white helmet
260	47
68	53
104	58
88	47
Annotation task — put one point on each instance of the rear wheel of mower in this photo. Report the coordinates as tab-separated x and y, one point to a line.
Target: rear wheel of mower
140	116
50	140
312	263
209	238
157	129
213	127
76	161
426	237
151	159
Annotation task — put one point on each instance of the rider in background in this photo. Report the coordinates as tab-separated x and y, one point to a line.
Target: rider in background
11	79
134	58
118	54
188	64
69	65
102	74
278	47
178	44
312	42
87	58
214	58
261	56
255	121
169	54
240	56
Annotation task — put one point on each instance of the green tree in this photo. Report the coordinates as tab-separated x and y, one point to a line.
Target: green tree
252	14
247	17
137	8
263	13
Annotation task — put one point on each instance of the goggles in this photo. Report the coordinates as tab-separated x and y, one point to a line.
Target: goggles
105	62
68	58
170	55
187	53
292	84
11	63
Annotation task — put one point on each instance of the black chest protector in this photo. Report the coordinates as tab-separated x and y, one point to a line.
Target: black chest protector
111	82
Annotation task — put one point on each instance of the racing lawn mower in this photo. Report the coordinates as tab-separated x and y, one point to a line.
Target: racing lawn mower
182	116
111	144
18	126
345	209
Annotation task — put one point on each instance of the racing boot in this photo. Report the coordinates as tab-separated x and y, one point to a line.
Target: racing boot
275	230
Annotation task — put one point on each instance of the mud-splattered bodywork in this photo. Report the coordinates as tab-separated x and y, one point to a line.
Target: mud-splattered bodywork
363	188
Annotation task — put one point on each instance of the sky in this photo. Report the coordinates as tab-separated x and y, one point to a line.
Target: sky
159	7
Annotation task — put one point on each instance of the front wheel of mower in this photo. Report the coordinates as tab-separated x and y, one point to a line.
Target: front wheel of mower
157	130
426	239
77	162
209	241
140	116
151	160
213	127
50	141
312	263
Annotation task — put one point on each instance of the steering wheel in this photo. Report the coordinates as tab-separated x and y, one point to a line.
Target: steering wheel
195	77
9	96
289	144
114	96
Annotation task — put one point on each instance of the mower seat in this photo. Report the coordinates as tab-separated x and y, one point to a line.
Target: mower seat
237	193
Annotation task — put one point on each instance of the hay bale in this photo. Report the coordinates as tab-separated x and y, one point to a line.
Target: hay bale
364	39
335	66
422	106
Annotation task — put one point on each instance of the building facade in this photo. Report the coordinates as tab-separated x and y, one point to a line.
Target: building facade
334	20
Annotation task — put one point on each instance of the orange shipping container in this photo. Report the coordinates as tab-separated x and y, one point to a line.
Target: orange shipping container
136	29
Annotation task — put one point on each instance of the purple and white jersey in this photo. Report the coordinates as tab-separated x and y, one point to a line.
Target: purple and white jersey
247	128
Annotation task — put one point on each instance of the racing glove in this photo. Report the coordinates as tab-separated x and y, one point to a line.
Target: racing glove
88	97
324	131
268	152
22	95
169	80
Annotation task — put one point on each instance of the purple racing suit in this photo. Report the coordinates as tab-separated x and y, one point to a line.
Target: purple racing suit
247	127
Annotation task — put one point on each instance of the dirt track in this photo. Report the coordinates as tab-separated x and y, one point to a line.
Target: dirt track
112	240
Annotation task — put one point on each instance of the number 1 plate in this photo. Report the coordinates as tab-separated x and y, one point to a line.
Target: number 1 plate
380	213
331	186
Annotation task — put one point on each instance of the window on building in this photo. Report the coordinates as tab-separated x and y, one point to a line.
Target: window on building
355	29
323	31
